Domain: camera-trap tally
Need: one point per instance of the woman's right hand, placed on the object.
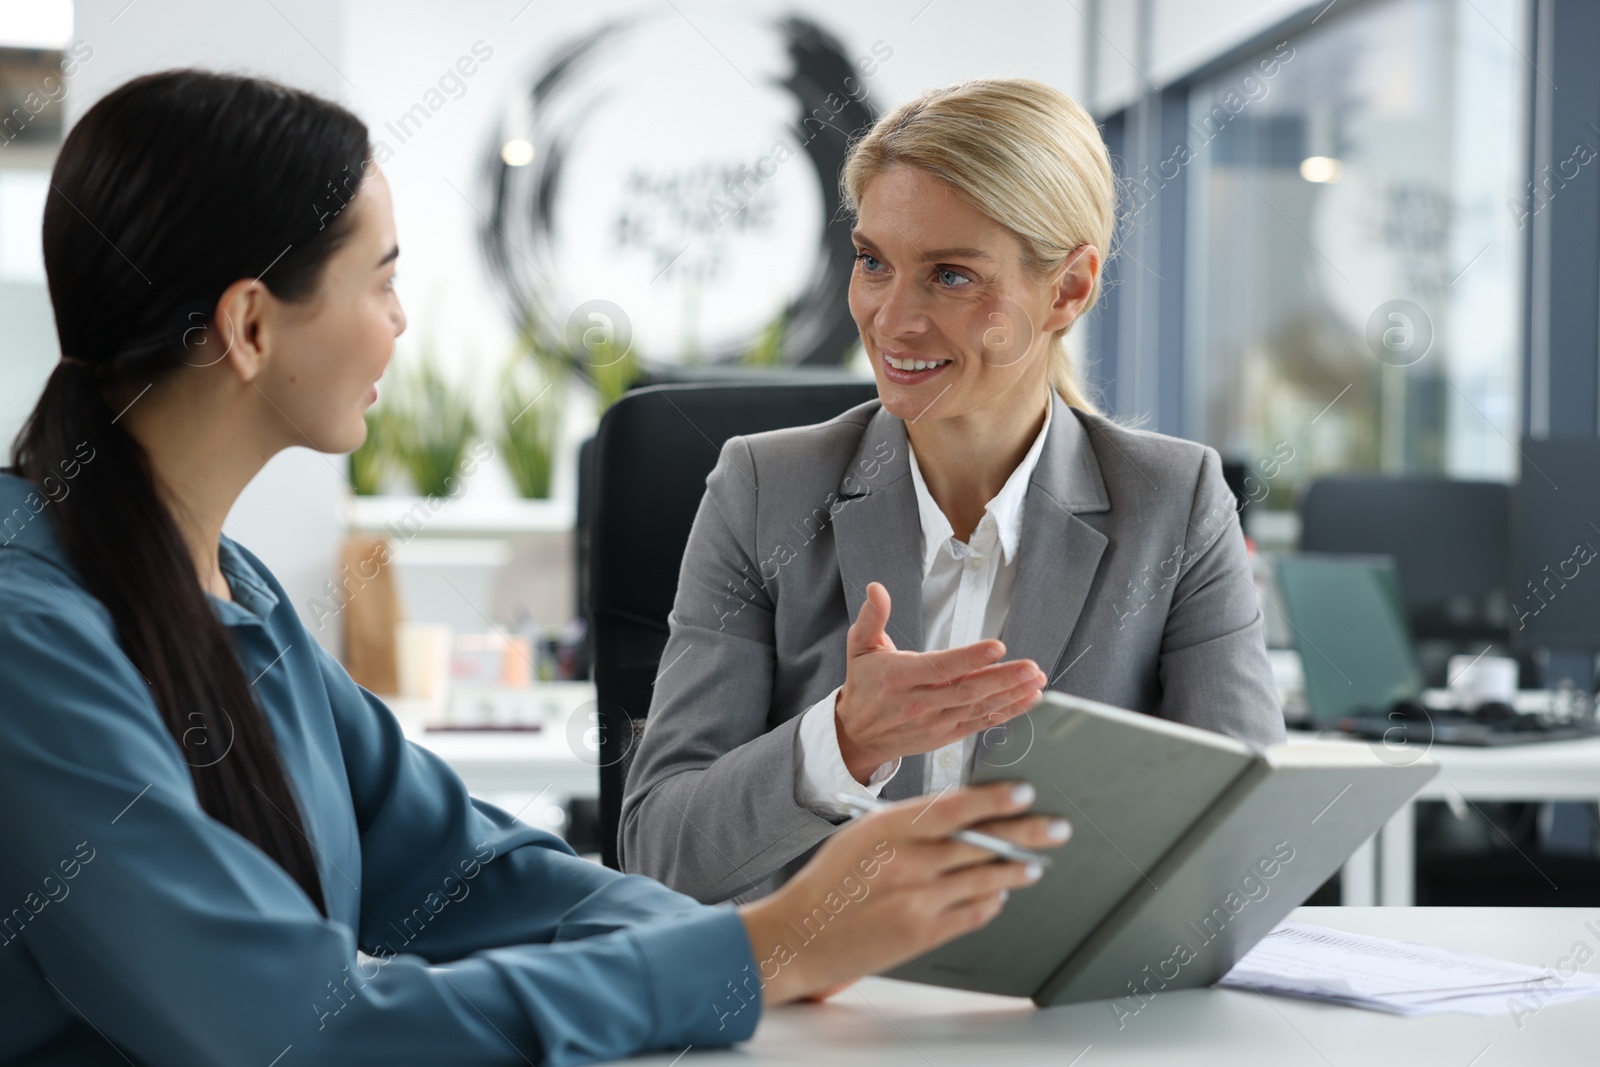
(896, 704)
(891, 885)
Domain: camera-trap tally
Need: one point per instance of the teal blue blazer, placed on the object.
(135, 928)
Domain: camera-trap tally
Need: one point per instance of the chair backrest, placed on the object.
(652, 453)
(1451, 541)
(582, 529)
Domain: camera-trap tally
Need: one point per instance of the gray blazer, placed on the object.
(1133, 588)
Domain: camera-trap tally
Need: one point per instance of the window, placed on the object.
(1353, 258)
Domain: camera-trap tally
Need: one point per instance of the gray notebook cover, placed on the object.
(1188, 847)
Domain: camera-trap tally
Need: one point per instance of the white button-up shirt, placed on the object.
(966, 595)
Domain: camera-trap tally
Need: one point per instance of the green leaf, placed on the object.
(434, 426)
(532, 403)
(377, 454)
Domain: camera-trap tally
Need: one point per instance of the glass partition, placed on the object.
(1354, 246)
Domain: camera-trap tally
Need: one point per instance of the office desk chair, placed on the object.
(652, 453)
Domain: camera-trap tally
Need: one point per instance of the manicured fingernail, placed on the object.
(1023, 794)
(1033, 872)
(1058, 830)
(1005, 894)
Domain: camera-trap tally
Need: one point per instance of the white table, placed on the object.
(888, 1024)
(515, 761)
(554, 761)
(1383, 871)
(557, 763)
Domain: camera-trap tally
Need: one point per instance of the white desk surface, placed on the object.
(513, 761)
(1544, 770)
(1540, 770)
(509, 761)
(887, 1023)
(522, 763)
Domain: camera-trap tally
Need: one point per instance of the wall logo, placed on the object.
(694, 183)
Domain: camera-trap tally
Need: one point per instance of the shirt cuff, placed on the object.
(703, 977)
(819, 770)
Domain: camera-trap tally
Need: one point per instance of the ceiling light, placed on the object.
(37, 24)
(1321, 169)
(517, 153)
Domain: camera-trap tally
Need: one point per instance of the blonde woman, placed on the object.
(862, 600)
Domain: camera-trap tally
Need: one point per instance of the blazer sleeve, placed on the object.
(710, 805)
(181, 942)
(1214, 669)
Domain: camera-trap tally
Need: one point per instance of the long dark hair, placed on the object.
(167, 191)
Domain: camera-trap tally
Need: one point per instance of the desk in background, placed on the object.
(506, 761)
(1383, 871)
(552, 765)
(547, 761)
(535, 775)
(886, 1023)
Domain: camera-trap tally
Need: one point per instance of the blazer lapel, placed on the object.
(878, 538)
(1058, 553)
(877, 533)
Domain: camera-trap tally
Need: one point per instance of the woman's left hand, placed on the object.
(891, 885)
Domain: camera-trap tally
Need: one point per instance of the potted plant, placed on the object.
(376, 457)
(434, 426)
(532, 402)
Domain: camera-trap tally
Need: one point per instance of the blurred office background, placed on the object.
(1358, 238)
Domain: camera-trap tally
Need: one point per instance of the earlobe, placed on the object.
(249, 361)
(239, 319)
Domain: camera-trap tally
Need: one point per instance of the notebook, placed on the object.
(1188, 847)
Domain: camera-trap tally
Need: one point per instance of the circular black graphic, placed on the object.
(660, 219)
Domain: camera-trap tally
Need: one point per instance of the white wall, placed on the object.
(28, 348)
(290, 514)
(397, 48)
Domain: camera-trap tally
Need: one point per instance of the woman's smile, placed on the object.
(909, 368)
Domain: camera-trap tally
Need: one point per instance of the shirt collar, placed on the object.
(1005, 508)
(26, 524)
(23, 523)
(250, 590)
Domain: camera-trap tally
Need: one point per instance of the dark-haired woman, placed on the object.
(217, 848)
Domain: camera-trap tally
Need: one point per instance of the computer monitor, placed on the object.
(1450, 539)
(1355, 651)
(1555, 534)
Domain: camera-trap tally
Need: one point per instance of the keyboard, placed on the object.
(1408, 722)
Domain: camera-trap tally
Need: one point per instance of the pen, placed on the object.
(999, 846)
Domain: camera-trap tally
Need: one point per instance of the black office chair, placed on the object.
(582, 530)
(651, 457)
